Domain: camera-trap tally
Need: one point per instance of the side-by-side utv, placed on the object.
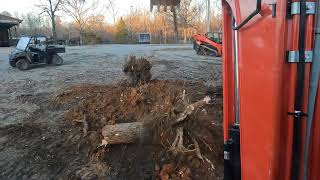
(35, 50)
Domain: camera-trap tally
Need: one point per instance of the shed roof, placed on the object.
(7, 22)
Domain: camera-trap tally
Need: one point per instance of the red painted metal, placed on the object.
(228, 70)
(202, 39)
(267, 86)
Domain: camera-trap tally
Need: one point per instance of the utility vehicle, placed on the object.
(35, 50)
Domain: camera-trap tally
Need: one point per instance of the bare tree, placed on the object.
(188, 14)
(80, 10)
(50, 7)
(175, 23)
(114, 11)
(33, 24)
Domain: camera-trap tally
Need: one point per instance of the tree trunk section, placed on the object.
(185, 35)
(123, 133)
(175, 23)
(54, 31)
(165, 36)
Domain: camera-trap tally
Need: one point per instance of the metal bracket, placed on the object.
(293, 56)
(298, 114)
(311, 8)
(226, 155)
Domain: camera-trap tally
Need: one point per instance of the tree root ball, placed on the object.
(137, 70)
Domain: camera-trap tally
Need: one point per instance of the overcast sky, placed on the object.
(25, 6)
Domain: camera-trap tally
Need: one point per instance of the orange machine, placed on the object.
(271, 89)
(208, 44)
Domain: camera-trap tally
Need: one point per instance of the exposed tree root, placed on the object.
(85, 126)
(177, 145)
(191, 108)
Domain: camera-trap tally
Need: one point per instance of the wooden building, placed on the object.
(6, 25)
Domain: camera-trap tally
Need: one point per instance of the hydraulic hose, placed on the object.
(313, 88)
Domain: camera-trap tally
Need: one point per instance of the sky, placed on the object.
(26, 6)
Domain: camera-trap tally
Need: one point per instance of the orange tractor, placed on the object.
(271, 89)
(208, 44)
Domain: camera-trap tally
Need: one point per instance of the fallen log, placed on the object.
(126, 133)
(123, 133)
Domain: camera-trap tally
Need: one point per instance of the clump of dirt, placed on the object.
(93, 107)
(137, 70)
(110, 104)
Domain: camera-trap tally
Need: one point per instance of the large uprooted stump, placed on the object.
(137, 70)
(125, 133)
(166, 113)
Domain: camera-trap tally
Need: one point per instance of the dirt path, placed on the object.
(36, 142)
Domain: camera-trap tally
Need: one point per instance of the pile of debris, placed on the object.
(176, 115)
(137, 70)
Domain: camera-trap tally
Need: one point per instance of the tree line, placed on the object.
(84, 21)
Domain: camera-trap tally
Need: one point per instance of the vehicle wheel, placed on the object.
(12, 63)
(201, 51)
(57, 60)
(23, 64)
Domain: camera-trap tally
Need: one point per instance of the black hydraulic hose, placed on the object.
(313, 88)
(298, 114)
(254, 13)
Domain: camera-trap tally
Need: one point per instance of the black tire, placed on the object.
(23, 64)
(201, 51)
(57, 60)
(12, 63)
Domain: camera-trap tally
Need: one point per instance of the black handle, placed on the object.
(254, 13)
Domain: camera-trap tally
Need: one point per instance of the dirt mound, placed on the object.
(137, 70)
(92, 107)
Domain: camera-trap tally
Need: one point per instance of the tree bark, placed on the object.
(123, 133)
(54, 31)
(165, 36)
(185, 35)
(175, 23)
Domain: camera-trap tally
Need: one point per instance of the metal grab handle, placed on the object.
(254, 13)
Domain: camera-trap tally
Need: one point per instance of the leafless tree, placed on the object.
(80, 11)
(33, 24)
(50, 7)
(89, 26)
(175, 23)
(188, 14)
(114, 11)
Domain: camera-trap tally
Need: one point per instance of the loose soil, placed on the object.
(65, 152)
(40, 140)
